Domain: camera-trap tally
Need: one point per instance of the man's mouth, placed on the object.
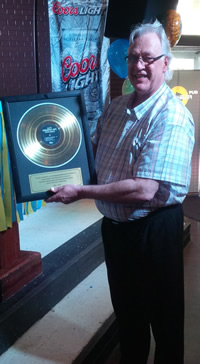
(140, 76)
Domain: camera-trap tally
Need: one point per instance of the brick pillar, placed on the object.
(17, 267)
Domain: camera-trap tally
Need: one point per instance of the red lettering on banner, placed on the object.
(74, 68)
(58, 9)
(84, 65)
(66, 65)
(92, 62)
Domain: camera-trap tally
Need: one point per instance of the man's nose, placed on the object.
(139, 63)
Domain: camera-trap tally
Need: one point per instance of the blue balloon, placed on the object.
(116, 57)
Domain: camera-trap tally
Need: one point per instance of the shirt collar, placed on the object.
(141, 108)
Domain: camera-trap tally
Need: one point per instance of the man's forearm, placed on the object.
(125, 191)
(122, 191)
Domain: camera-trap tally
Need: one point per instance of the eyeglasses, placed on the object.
(145, 59)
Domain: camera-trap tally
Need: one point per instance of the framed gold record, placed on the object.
(49, 135)
(49, 142)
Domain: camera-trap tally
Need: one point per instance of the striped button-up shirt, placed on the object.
(153, 140)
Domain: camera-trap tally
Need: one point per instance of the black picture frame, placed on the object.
(32, 180)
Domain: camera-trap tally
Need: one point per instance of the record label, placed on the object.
(50, 135)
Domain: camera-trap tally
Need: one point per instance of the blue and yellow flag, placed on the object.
(7, 208)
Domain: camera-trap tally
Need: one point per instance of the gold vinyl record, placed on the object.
(49, 135)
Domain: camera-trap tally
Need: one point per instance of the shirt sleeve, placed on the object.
(167, 149)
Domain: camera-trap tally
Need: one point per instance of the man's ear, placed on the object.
(165, 64)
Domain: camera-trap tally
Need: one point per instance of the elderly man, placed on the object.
(143, 146)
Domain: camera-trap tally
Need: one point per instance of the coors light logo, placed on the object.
(80, 74)
(77, 10)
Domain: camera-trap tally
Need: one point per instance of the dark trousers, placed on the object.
(144, 261)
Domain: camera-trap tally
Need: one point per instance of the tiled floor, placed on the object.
(60, 336)
(53, 225)
(64, 331)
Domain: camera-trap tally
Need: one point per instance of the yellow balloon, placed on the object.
(127, 87)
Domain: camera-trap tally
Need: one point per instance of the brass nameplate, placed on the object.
(41, 182)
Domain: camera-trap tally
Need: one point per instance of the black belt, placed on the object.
(152, 213)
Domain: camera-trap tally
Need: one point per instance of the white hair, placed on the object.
(157, 28)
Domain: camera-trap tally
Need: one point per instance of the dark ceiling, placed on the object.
(123, 15)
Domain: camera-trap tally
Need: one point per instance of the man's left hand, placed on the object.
(65, 194)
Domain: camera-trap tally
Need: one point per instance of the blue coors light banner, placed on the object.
(79, 51)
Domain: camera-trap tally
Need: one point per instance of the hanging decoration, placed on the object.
(127, 87)
(171, 21)
(116, 57)
(173, 27)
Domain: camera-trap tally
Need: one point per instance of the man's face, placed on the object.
(146, 78)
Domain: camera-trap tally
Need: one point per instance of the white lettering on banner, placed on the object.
(185, 97)
(94, 11)
(83, 81)
(195, 92)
